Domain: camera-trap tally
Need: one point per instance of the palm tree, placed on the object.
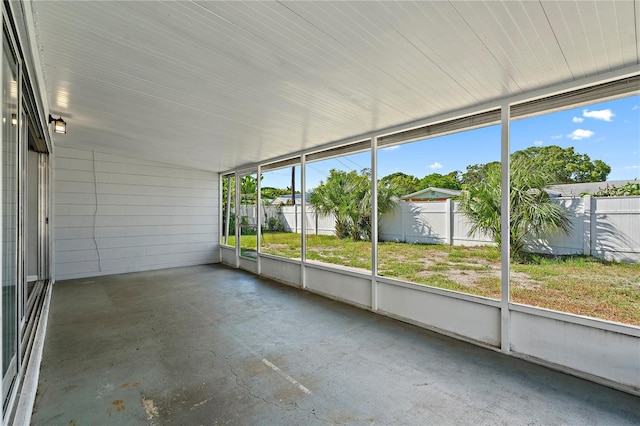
(333, 197)
(386, 203)
(347, 195)
(533, 214)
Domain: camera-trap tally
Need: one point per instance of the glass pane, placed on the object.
(10, 215)
(282, 212)
(576, 211)
(248, 215)
(429, 234)
(339, 211)
(228, 234)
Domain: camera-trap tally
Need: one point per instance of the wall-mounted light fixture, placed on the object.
(14, 120)
(59, 126)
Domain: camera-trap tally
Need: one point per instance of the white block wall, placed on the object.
(115, 214)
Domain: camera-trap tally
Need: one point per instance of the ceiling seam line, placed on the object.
(433, 62)
(555, 36)
(485, 46)
(338, 41)
(294, 13)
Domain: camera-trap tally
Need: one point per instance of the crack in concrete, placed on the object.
(323, 420)
(248, 390)
(235, 375)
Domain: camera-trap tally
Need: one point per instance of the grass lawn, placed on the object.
(576, 284)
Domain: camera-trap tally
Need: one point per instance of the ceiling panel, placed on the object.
(517, 35)
(595, 37)
(219, 84)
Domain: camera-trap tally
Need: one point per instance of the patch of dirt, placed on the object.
(469, 277)
(434, 258)
(274, 246)
(522, 280)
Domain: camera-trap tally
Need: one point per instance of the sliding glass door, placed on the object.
(10, 205)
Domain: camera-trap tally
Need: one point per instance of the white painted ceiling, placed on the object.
(215, 85)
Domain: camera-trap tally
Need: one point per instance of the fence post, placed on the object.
(403, 221)
(593, 203)
(449, 213)
(586, 241)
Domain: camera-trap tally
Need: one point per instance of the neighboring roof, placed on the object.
(431, 189)
(577, 189)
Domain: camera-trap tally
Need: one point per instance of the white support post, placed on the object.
(237, 221)
(505, 252)
(228, 201)
(374, 223)
(259, 212)
(303, 220)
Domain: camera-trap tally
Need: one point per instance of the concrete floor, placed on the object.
(211, 345)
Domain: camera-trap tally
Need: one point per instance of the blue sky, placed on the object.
(608, 131)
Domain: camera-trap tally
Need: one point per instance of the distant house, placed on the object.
(577, 189)
(431, 194)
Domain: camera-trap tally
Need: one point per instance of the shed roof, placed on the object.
(431, 189)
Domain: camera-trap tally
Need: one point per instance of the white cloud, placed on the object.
(435, 165)
(577, 119)
(635, 107)
(391, 148)
(580, 134)
(556, 137)
(538, 143)
(632, 167)
(603, 114)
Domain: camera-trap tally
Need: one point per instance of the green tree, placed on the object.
(400, 183)
(476, 173)
(436, 180)
(533, 214)
(564, 165)
(347, 195)
(248, 190)
(270, 193)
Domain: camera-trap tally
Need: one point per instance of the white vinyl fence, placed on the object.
(291, 218)
(436, 222)
(607, 227)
